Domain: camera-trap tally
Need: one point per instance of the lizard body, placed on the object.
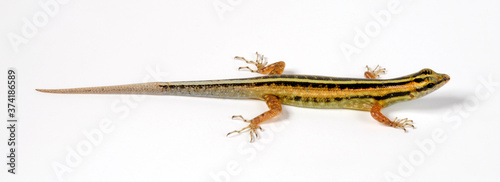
(297, 90)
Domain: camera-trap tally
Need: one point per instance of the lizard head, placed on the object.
(427, 80)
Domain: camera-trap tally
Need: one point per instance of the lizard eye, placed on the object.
(427, 71)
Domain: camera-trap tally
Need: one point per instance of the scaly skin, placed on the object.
(322, 92)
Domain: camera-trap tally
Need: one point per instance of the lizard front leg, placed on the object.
(375, 110)
(375, 73)
(274, 106)
(397, 123)
(262, 67)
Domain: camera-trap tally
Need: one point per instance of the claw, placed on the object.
(375, 73)
(253, 135)
(251, 127)
(238, 131)
(240, 117)
(403, 123)
(253, 132)
(260, 63)
(248, 68)
(260, 59)
(274, 109)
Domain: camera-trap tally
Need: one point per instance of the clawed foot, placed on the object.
(251, 127)
(375, 73)
(402, 123)
(260, 63)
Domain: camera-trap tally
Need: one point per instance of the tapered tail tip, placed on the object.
(42, 90)
(49, 90)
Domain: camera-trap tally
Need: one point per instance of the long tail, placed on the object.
(153, 88)
(234, 88)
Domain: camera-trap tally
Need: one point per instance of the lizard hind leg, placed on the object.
(274, 109)
(262, 67)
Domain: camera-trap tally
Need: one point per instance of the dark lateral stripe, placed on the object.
(196, 86)
(339, 85)
(430, 86)
(329, 79)
(325, 78)
(306, 99)
(383, 97)
(391, 95)
(329, 82)
(297, 84)
(338, 99)
(300, 81)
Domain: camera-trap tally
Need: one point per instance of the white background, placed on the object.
(76, 43)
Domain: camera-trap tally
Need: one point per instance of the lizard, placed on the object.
(366, 94)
